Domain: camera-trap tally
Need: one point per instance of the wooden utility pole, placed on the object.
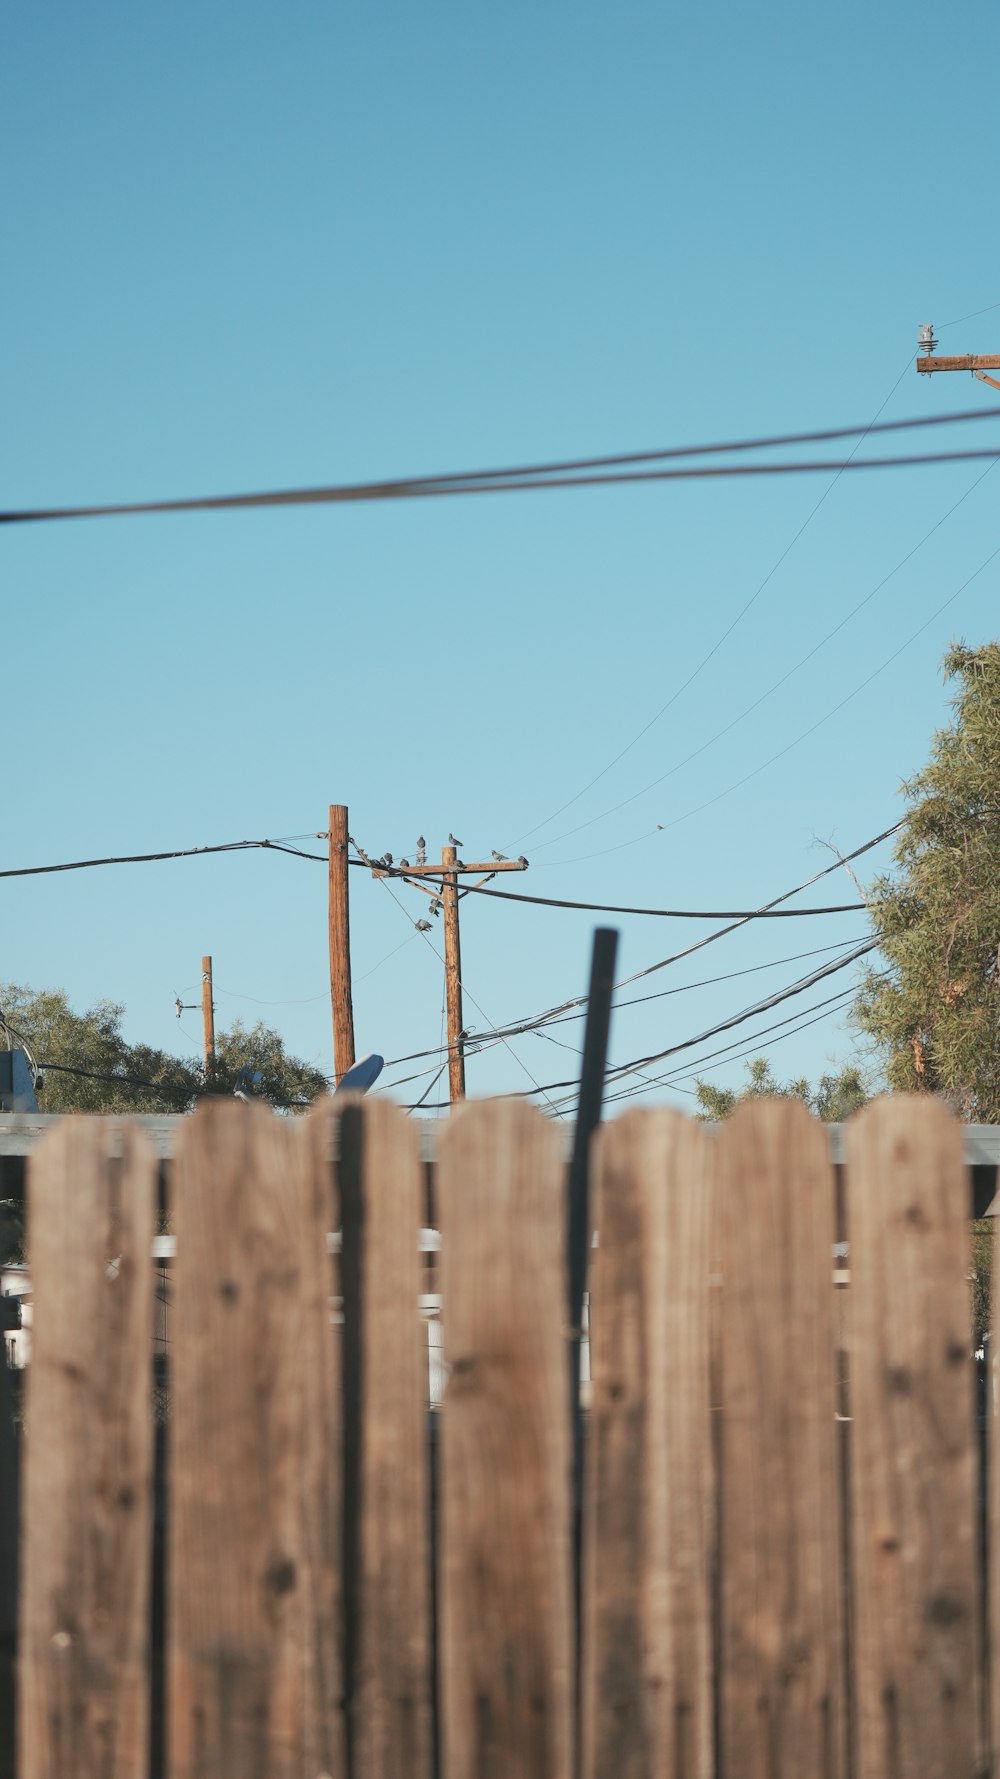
(453, 974)
(441, 883)
(340, 944)
(208, 1013)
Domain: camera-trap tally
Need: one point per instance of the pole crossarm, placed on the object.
(457, 870)
(969, 361)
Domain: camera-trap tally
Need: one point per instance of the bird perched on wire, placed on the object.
(453, 842)
(422, 926)
(404, 864)
(501, 857)
(387, 858)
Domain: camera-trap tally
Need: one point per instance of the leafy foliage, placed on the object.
(92, 1043)
(258, 1049)
(935, 1017)
(833, 1098)
(88, 1066)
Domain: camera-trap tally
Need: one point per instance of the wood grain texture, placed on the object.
(781, 1607)
(993, 1512)
(387, 1564)
(87, 1498)
(253, 1689)
(341, 1000)
(912, 1454)
(506, 1643)
(649, 1513)
(453, 974)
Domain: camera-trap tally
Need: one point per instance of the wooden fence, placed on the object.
(781, 1572)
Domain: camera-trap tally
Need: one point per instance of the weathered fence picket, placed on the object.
(387, 1573)
(753, 1605)
(647, 1634)
(84, 1630)
(781, 1568)
(505, 1525)
(913, 1487)
(250, 1634)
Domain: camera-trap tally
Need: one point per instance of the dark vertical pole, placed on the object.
(588, 1116)
(595, 1051)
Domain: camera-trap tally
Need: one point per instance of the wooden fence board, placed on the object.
(649, 1517)
(912, 1454)
(781, 1602)
(250, 1586)
(506, 1644)
(387, 1566)
(87, 1538)
(992, 1552)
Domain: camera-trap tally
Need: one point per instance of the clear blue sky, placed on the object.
(250, 247)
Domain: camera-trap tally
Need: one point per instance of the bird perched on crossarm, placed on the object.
(501, 857)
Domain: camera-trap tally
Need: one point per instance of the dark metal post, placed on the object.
(588, 1115)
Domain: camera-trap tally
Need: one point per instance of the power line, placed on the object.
(795, 1022)
(665, 913)
(778, 683)
(971, 317)
(188, 1091)
(552, 1013)
(522, 479)
(541, 1027)
(835, 709)
(684, 988)
(184, 1089)
(467, 991)
(843, 701)
(485, 1040)
(717, 645)
(763, 1006)
(147, 858)
(620, 1070)
(732, 1053)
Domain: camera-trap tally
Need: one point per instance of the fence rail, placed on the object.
(782, 1562)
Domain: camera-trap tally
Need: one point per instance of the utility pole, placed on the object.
(340, 944)
(976, 362)
(208, 1014)
(453, 973)
(444, 889)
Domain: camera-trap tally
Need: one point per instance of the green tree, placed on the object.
(86, 1062)
(285, 1080)
(935, 1015)
(88, 1066)
(833, 1098)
